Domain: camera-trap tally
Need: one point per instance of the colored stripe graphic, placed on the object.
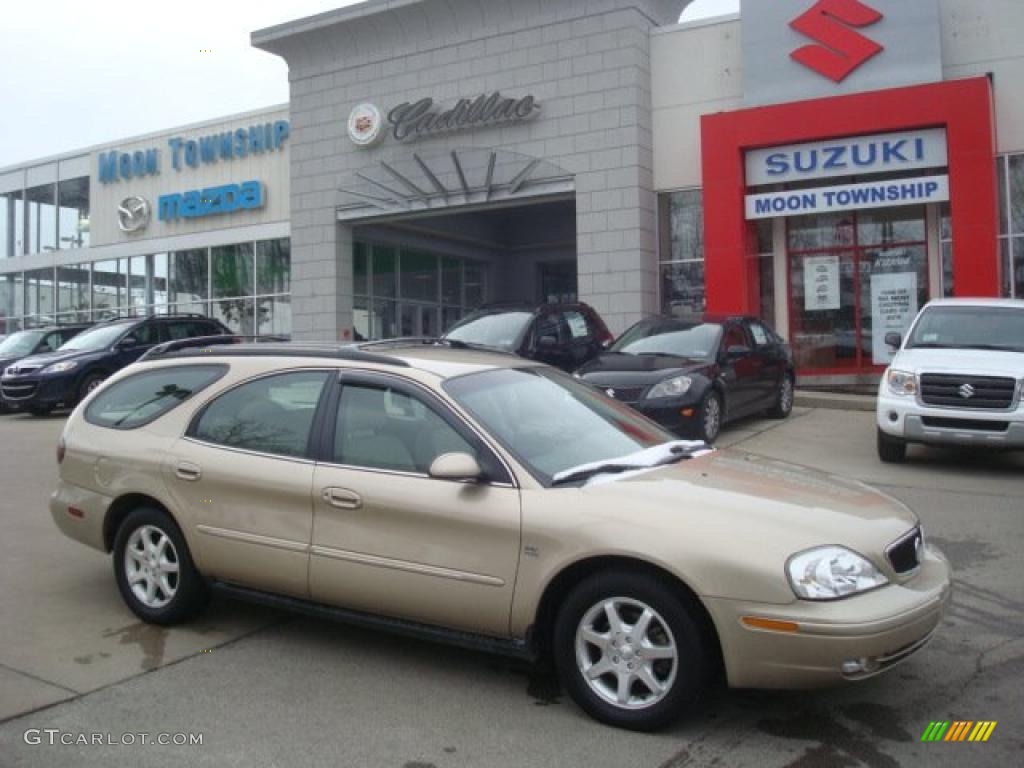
(959, 730)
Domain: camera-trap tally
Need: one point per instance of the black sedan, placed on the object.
(692, 376)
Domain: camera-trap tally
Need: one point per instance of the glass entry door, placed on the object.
(854, 277)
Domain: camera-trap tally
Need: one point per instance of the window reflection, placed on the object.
(12, 222)
(73, 213)
(42, 218)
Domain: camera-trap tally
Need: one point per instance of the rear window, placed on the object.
(137, 400)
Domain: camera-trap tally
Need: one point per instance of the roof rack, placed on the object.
(431, 341)
(251, 346)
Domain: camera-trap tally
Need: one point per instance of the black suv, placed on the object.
(40, 383)
(35, 341)
(563, 335)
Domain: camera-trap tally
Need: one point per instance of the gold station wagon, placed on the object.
(493, 502)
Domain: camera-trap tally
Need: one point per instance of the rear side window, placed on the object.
(269, 415)
(137, 400)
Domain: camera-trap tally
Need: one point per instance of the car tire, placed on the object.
(154, 569)
(891, 450)
(710, 417)
(641, 683)
(89, 383)
(783, 398)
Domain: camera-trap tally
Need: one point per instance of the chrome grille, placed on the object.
(625, 394)
(994, 393)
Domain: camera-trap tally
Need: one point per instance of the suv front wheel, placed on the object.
(154, 570)
(628, 651)
(891, 450)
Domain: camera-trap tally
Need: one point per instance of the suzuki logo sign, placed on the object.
(797, 50)
(840, 49)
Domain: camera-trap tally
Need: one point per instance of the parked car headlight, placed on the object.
(901, 382)
(67, 365)
(827, 573)
(680, 385)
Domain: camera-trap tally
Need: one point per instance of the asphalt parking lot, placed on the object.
(266, 689)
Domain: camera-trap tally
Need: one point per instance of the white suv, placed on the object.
(957, 378)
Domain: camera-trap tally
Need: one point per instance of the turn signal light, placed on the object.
(774, 625)
(687, 412)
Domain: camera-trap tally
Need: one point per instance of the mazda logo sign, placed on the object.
(133, 214)
(966, 391)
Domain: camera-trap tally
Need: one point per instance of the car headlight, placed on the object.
(901, 382)
(680, 385)
(67, 365)
(828, 573)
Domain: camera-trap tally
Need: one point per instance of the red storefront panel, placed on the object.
(963, 107)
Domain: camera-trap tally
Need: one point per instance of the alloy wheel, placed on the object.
(712, 417)
(626, 653)
(151, 566)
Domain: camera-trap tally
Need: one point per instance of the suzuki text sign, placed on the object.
(880, 153)
(802, 49)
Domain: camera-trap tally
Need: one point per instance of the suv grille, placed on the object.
(625, 394)
(904, 554)
(959, 391)
(19, 391)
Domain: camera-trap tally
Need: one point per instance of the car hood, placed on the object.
(615, 367)
(985, 362)
(49, 358)
(750, 511)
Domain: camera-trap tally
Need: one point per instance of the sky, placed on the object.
(81, 72)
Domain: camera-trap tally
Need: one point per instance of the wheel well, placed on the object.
(121, 508)
(562, 584)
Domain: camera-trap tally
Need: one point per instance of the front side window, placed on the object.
(383, 428)
(140, 399)
(269, 415)
(550, 422)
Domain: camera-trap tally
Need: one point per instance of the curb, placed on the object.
(835, 401)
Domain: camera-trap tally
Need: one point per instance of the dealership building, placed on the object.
(828, 165)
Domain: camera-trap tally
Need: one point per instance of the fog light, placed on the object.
(861, 666)
(850, 667)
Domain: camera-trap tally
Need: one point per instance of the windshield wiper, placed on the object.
(658, 456)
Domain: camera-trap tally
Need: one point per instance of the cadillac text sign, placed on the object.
(413, 120)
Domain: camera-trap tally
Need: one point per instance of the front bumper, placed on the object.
(680, 417)
(880, 628)
(34, 391)
(907, 419)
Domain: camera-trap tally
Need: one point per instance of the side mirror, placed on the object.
(128, 342)
(546, 342)
(737, 351)
(456, 466)
(893, 340)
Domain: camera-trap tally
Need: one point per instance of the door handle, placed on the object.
(188, 471)
(342, 498)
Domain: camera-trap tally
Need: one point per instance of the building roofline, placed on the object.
(76, 153)
(264, 38)
(710, 21)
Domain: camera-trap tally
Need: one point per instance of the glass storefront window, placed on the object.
(1018, 268)
(822, 230)
(1016, 191)
(136, 298)
(237, 314)
(682, 288)
(273, 266)
(161, 280)
(42, 218)
(420, 278)
(385, 272)
(40, 298)
(189, 278)
(231, 269)
(12, 223)
(451, 281)
(275, 316)
(73, 213)
(885, 226)
(73, 292)
(475, 285)
(108, 288)
(360, 269)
